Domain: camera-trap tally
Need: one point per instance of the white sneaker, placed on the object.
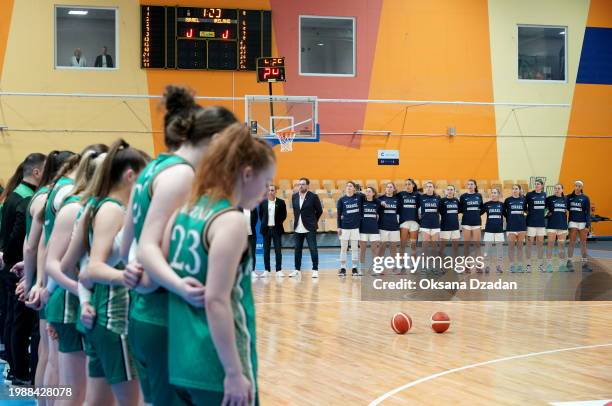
(294, 274)
(315, 274)
(280, 274)
(264, 274)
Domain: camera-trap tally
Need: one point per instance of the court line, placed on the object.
(573, 304)
(387, 395)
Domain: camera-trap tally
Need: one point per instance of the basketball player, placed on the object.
(368, 227)
(470, 205)
(409, 217)
(162, 187)
(449, 225)
(429, 214)
(536, 203)
(515, 207)
(349, 216)
(556, 206)
(110, 355)
(579, 224)
(494, 230)
(214, 353)
(388, 221)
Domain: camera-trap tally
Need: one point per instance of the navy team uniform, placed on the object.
(536, 205)
(579, 211)
(514, 211)
(557, 214)
(368, 228)
(429, 211)
(409, 212)
(470, 204)
(349, 212)
(494, 231)
(449, 225)
(388, 222)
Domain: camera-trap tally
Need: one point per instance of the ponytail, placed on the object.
(86, 167)
(13, 182)
(227, 155)
(53, 163)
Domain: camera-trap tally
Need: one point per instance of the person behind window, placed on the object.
(78, 60)
(104, 60)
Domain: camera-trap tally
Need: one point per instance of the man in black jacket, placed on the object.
(272, 214)
(104, 60)
(251, 217)
(21, 321)
(307, 210)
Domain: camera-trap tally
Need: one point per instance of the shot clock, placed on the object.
(270, 69)
(204, 38)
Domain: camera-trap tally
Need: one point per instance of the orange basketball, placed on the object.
(440, 322)
(401, 323)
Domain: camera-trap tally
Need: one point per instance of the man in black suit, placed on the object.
(307, 210)
(104, 60)
(251, 216)
(272, 214)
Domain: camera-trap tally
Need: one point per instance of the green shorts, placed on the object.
(109, 354)
(149, 346)
(199, 397)
(70, 340)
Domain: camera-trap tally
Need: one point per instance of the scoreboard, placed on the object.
(204, 38)
(270, 70)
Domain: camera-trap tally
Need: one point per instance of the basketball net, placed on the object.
(286, 140)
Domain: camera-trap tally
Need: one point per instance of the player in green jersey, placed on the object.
(162, 187)
(212, 358)
(110, 353)
(62, 307)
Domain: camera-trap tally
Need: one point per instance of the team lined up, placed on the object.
(400, 216)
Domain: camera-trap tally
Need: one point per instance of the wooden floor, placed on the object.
(319, 344)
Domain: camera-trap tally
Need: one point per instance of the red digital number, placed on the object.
(225, 34)
(266, 74)
(189, 33)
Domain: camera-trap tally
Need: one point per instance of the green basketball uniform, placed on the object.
(196, 365)
(41, 191)
(50, 210)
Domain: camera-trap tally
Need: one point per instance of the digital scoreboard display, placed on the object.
(204, 38)
(270, 69)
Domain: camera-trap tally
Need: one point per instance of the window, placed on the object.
(542, 52)
(86, 37)
(327, 46)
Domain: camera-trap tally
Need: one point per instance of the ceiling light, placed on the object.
(320, 44)
(78, 12)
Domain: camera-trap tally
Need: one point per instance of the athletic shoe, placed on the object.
(549, 268)
(519, 269)
(280, 273)
(527, 268)
(586, 267)
(264, 274)
(569, 265)
(356, 272)
(487, 269)
(315, 274)
(513, 269)
(294, 274)
(342, 272)
(499, 269)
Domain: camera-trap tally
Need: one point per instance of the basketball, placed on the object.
(401, 323)
(440, 322)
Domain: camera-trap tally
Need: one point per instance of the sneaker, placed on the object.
(264, 274)
(315, 274)
(294, 274)
(280, 274)
(356, 272)
(487, 269)
(541, 268)
(586, 267)
(513, 268)
(499, 269)
(519, 269)
(549, 268)
(342, 272)
(569, 265)
(527, 268)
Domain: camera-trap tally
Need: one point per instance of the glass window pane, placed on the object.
(541, 52)
(327, 46)
(85, 37)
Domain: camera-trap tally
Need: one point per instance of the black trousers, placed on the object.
(253, 248)
(311, 238)
(272, 235)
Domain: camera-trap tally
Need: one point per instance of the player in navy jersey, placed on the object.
(470, 205)
(536, 224)
(430, 220)
(556, 207)
(449, 226)
(388, 221)
(368, 228)
(494, 230)
(579, 223)
(349, 217)
(409, 217)
(515, 207)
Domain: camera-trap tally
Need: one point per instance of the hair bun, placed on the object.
(177, 98)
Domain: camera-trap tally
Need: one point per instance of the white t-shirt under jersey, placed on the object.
(271, 211)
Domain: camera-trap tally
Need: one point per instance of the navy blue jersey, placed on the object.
(409, 206)
(369, 216)
(429, 210)
(579, 209)
(514, 210)
(388, 220)
(470, 204)
(349, 212)
(449, 211)
(557, 212)
(495, 217)
(536, 203)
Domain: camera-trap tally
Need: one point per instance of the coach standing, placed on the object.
(272, 213)
(21, 321)
(307, 210)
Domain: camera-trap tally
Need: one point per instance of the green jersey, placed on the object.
(41, 191)
(50, 209)
(153, 307)
(199, 367)
(63, 306)
(83, 262)
(111, 302)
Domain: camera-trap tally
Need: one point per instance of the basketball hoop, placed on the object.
(286, 140)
